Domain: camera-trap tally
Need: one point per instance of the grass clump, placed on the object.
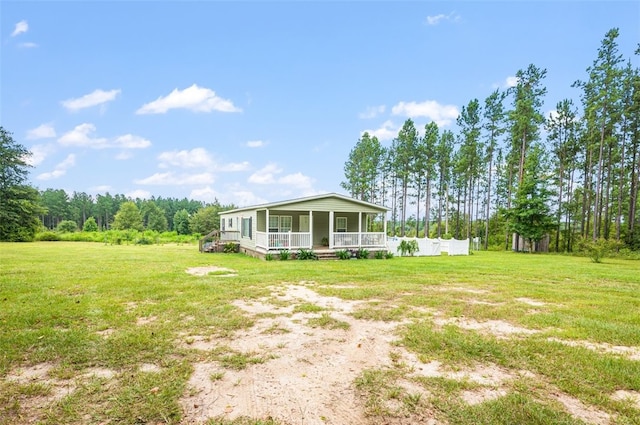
(327, 322)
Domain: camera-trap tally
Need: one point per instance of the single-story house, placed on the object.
(323, 222)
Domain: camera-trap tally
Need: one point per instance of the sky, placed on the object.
(258, 101)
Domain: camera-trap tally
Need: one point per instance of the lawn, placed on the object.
(121, 334)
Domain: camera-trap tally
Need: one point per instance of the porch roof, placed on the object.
(299, 202)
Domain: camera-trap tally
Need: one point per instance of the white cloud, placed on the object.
(194, 98)
(60, 169)
(27, 45)
(44, 131)
(94, 98)
(38, 154)
(138, 193)
(172, 179)
(81, 135)
(386, 132)
(255, 143)
(265, 175)
(129, 141)
(21, 27)
(297, 180)
(234, 166)
(205, 194)
(372, 112)
(436, 19)
(442, 115)
(195, 158)
(511, 81)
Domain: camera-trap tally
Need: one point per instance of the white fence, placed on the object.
(356, 239)
(431, 247)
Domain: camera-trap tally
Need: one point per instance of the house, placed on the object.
(328, 222)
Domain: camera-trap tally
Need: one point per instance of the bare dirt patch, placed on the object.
(498, 328)
(633, 353)
(578, 409)
(218, 271)
(531, 302)
(482, 395)
(631, 396)
(141, 321)
(309, 377)
(306, 373)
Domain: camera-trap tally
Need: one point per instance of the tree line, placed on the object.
(508, 172)
(119, 212)
(25, 211)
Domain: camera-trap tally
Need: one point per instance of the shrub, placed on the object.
(324, 241)
(230, 247)
(306, 254)
(408, 247)
(388, 255)
(47, 236)
(144, 241)
(343, 254)
(90, 225)
(379, 255)
(284, 255)
(268, 256)
(67, 226)
(597, 250)
(362, 254)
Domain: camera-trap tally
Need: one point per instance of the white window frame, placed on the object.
(246, 227)
(281, 220)
(339, 228)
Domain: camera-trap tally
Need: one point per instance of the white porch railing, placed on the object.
(229, 235)
(356, 239)
(283, 240)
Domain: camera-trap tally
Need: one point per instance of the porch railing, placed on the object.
(283, 240)
(229, 235)
(356, 239)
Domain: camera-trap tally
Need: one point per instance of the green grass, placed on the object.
(77, 306)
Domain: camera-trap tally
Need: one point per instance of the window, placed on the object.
(341, 224)
(279, 223)
(246, 227)
(230, 223)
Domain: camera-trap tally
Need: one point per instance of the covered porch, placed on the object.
(279, 229)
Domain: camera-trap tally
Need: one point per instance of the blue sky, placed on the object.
(252, 102)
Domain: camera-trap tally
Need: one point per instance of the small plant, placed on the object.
(378, 255)
(268, 256)
(388, 255)
(306, 254)
(343, 254)
(285, 255)
(324, 241)
(230, 247)
(216, 376)
(408, 247)
(328, 322)
(362, 254)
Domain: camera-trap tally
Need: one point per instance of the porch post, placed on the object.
(267, 229)
(360, 228)
(330, 229)
(310, 229)
(384, 227)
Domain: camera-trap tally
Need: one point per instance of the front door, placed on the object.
(304, 223)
